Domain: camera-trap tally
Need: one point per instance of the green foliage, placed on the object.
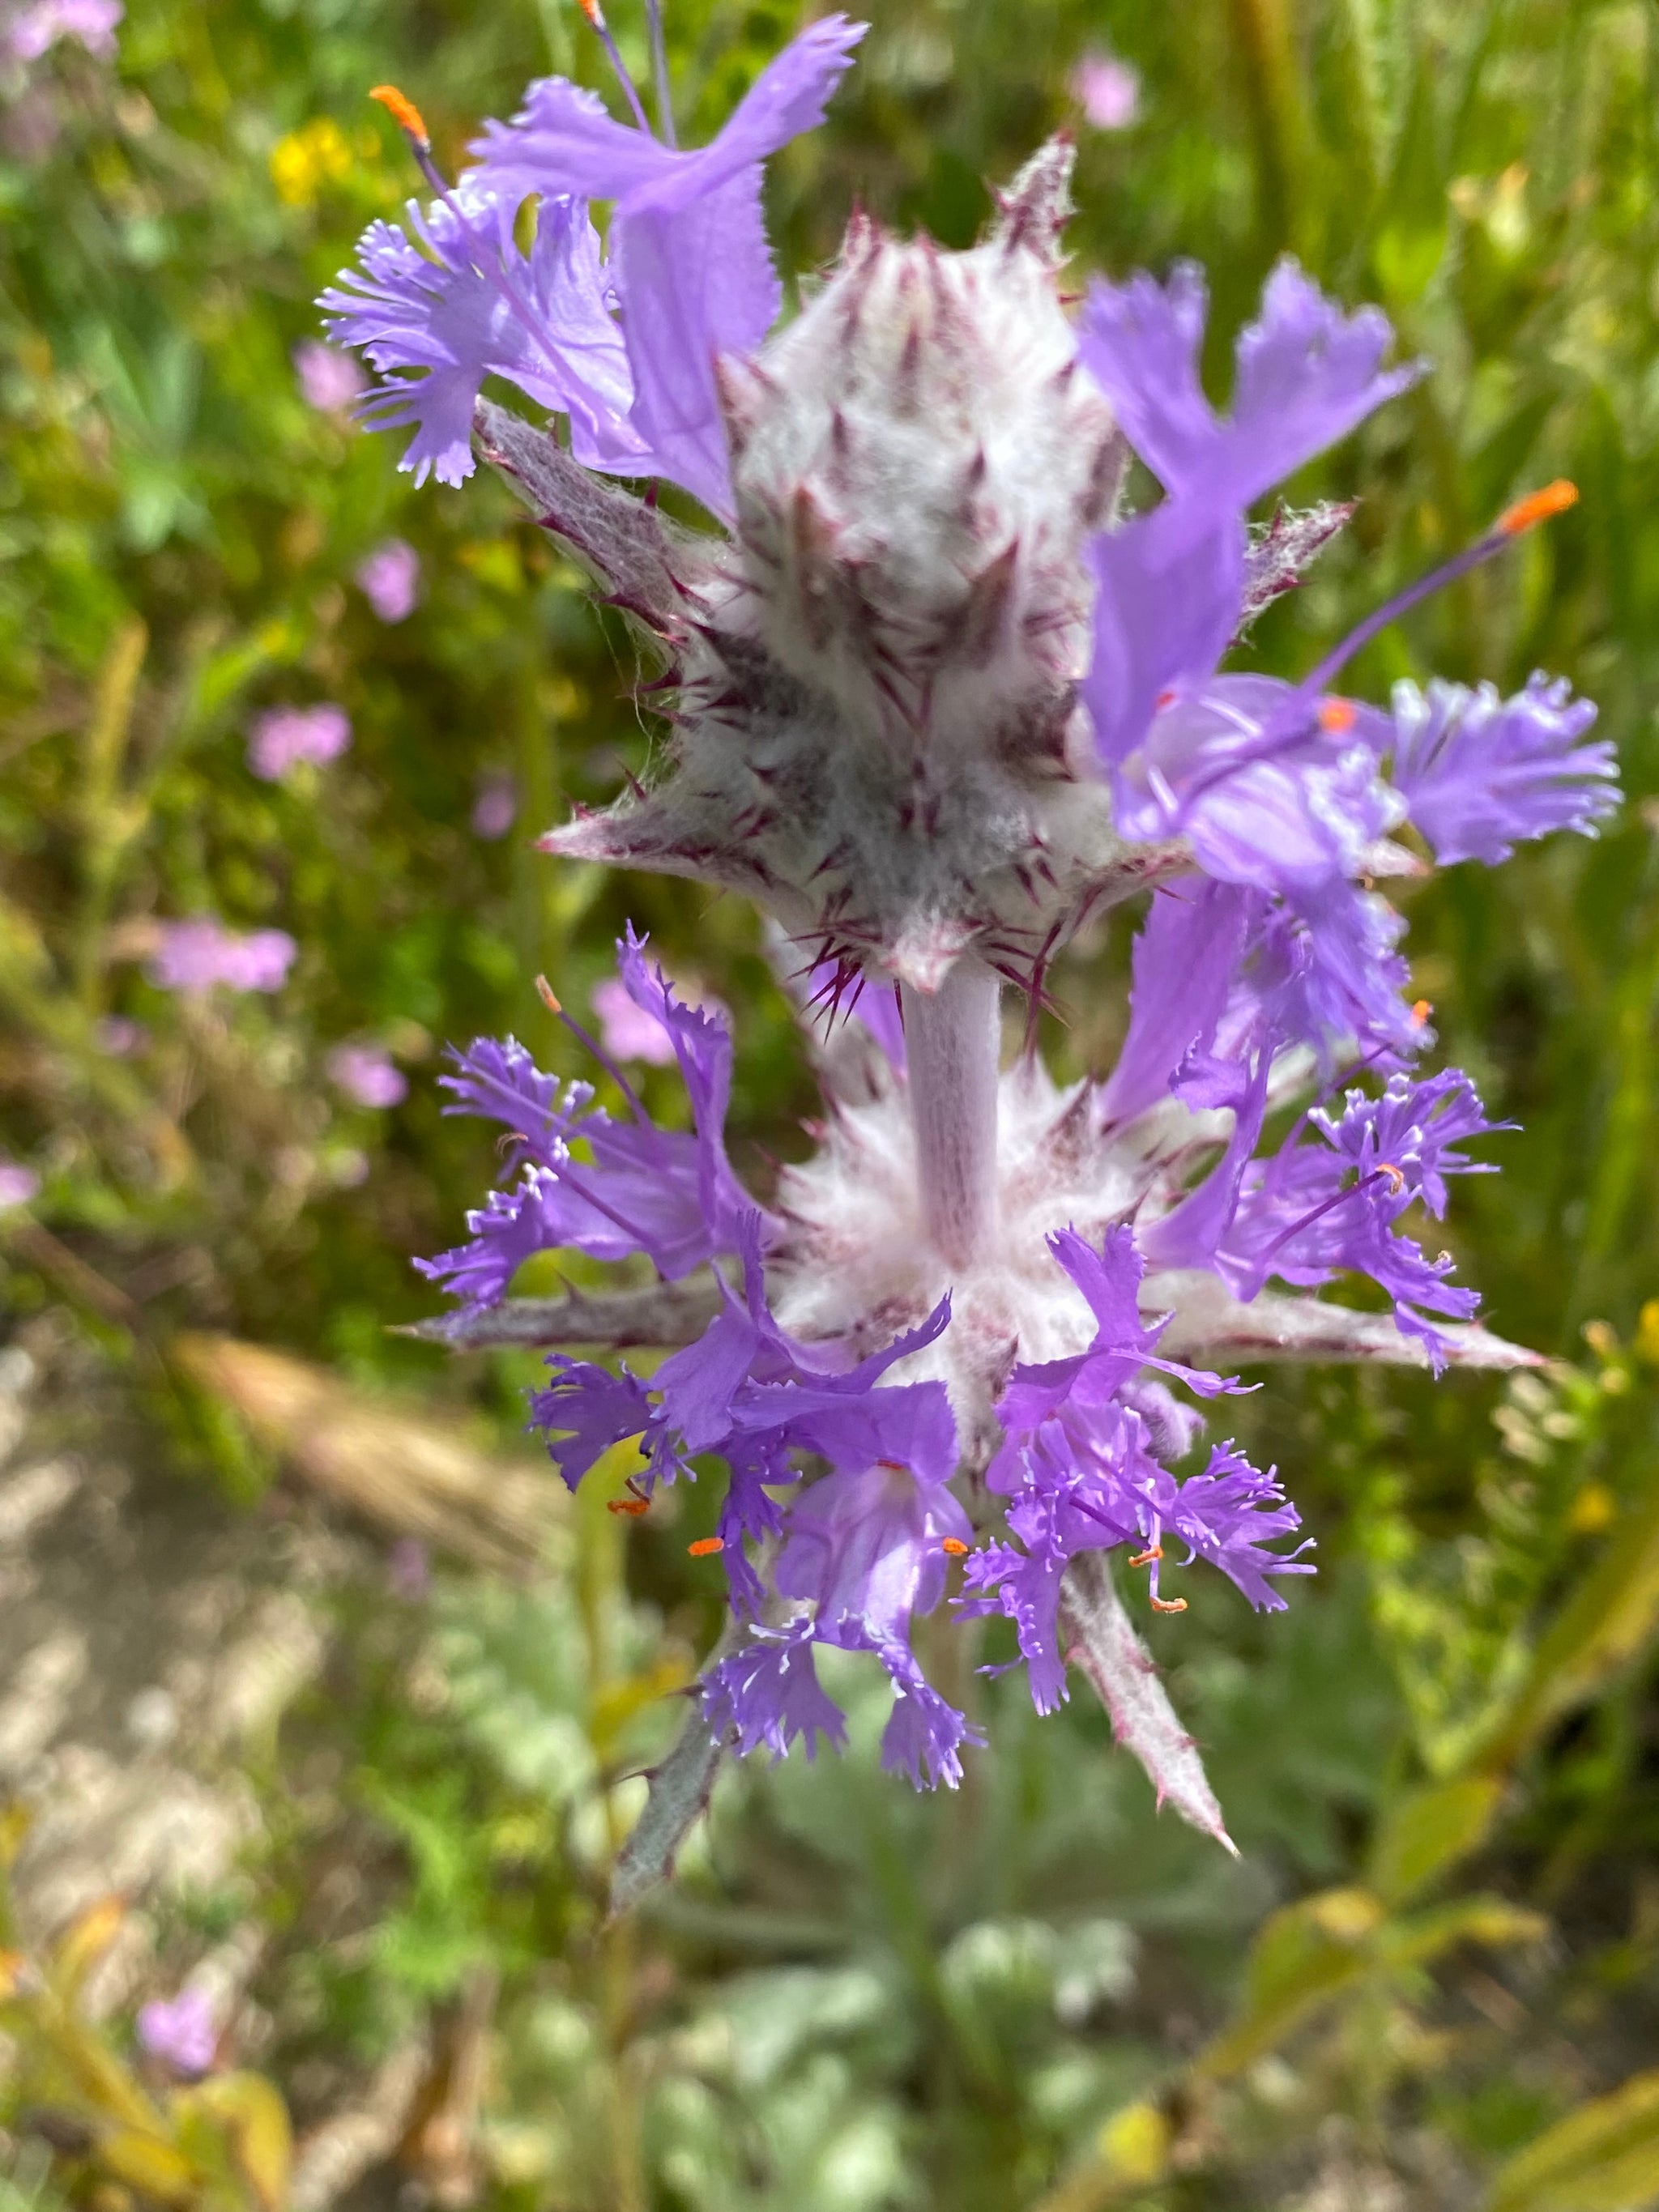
(1037, 1993)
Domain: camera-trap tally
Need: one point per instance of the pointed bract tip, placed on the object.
(404, 112)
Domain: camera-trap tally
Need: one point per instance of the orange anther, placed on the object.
(893, 1466)
(404, 112)
(953, 1545)
(1537, 506)
(593, 12)
(1389, 1168)
(1164, 699)
(1337, 715)
(1144, 1559)
(706, 1547)
(544, 992)
(1169, 1605)
(627, 1504)
(1421, 1011)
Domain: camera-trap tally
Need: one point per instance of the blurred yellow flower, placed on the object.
(308, 158)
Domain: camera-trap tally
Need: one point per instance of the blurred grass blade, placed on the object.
(1599, 1632)
(1429, 1831)
(415, 1475)
(1602, 2157)
(1306, 1954)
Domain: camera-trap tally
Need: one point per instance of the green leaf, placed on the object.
(1430, 1832)
(1602, 2157)
(1601, 1630)
(1305, 1954)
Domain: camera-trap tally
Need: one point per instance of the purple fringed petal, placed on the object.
(1301, 1218)
(868, 1546)
(1166, 606)
(1267, 796)
(690, 262)
(766, 1694)
(584, 1411)
(471, 304)
(1186, 959)
(1228, 1514)
(496, 1078)
(1109, 1280)
(925, 1733)
(665, 1193)
(1479, 774)
(1306, 375)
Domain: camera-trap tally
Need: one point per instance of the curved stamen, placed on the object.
(1289, 724)
(595, 16)
(660, 74)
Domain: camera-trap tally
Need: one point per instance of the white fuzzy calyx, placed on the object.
(857, 1264)
(877, 734)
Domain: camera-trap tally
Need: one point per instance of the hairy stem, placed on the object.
(952, 1041)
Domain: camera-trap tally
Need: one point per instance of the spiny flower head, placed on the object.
(932, 699)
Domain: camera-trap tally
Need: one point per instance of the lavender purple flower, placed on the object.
(330, 379)
(934, 699)
(180, 2030)
(390, 580)
(283, 737)
(18, 1184)
(367, 1075)
(195, 955)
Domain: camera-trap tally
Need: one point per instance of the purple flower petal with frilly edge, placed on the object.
(1479, 774)
(463, 303)
(1301, 1218)
(767, 1695)
(283, 737)
(1305, 375)
(1109, 1280)
(690, 262)
(180, 2031)
(668, 1194)
(389, 578)
(196, 954)
(1171, 584)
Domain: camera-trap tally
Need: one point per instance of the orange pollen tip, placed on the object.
(1337, 715)
(1538, 507)
(593, 12)
(1421, 1011)
(893, 1466)
(706, 1547)
(544, 992)
(627, 1504)
(403, 112)
(1164, 699)
(1169, 1605)
(1389, 1168)
(953, 1545)
(1144, 1559)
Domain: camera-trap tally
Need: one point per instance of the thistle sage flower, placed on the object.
(934, 698)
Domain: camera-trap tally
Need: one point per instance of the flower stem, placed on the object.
(952, 1041)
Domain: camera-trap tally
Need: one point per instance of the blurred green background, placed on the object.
(1433, 1978)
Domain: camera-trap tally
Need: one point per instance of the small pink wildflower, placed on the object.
(409, 1570)
(496, 806)
(18, 1184)
(120, 1037)
(195, 955)
(1107, 90)
(28, 32)
(180, 2031)
(628, 1031)
(330, 378)
(285, 736)
(390, 580)
(367, 1075)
